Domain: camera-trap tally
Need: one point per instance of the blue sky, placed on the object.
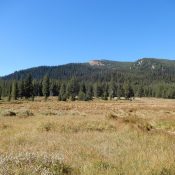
(54, 32)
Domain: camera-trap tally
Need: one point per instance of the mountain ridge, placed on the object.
(95, 66)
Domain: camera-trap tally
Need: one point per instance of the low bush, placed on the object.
(8, 113)
(33, 163)
(25, 113)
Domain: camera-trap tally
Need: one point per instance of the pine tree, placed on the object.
(0, 93)
(83, 88)
(28, 87)
(62, 95)
(46, 87)
(14, 90)
(89, 92)
(140, 92)
(53, 89)
(105, 92)
(35, 88)
(40, 92)
(112, 89)
(4, 89)
(98, 90)
(128, 91)
(9, 93)
(72, 89)
(82, 93)
(21, 91)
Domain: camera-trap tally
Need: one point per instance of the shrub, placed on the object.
(25, 113)
(33, 163)
(8, 113)
(82, 96)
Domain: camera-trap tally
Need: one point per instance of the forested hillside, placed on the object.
(89, 71)
(99, 78)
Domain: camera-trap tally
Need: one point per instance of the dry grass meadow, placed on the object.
(87, 138)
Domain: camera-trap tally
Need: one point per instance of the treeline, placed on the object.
(74, 89)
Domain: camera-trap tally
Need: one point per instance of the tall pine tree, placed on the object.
(0, 92)
(28, 87)
(62, 94)
(21, 91)
(72, 89)
(46, 87)
(14, 90)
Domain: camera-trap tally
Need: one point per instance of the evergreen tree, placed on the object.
(82, 92)
(28, 87)
(140, 92)
(0, 93)
(35, 88)
(14, 91)
(89, 92)
(83, 88)
(53, 89)
(105, 92)
(4, 89)
(21, 91)
(98, 90)
(112, 89)
(72, 89)
(128, 91)
(46, 87)
(119, 91)
(40, 92)
(62, 95)
(9, 93)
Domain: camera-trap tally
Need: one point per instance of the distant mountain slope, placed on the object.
(150, 68)
(111, 64)
(94, 68)
(146, 64)
(54, 72)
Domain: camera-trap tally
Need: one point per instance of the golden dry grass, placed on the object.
(92, 138)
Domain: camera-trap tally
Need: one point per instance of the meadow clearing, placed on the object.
(87, 138)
